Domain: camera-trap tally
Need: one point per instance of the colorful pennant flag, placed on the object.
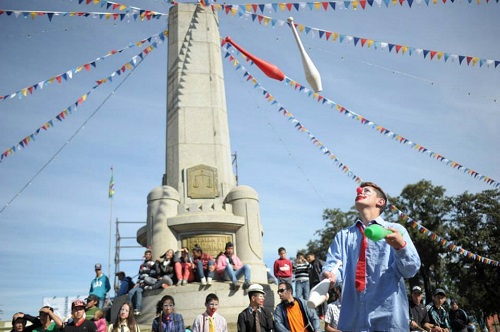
(470, 61)
(249, 78)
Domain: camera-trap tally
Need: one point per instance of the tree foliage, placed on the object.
(471, 221)
(475, 224)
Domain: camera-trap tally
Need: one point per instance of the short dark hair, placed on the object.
(280, 249)
(211, 297)
(288, 286)
(49, 307)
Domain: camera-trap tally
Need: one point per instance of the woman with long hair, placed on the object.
(125, 321)
(168, 320)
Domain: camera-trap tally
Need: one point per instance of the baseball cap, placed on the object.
(92, 297)
(416, 289)
(77, 303)
(98, 266)
(440, 291)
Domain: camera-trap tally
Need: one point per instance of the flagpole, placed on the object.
(111, 194)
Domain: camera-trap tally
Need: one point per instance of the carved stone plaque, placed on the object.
(212, 244)
(202, 182)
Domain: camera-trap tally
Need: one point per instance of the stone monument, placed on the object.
(199, 201)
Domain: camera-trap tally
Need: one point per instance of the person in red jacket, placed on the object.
(283, 267)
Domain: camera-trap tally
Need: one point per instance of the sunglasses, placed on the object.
(281, 290)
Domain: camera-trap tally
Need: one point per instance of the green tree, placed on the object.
(428, 205)
(335, 221)
(475, 224)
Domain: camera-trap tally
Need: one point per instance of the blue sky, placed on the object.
(58, 227)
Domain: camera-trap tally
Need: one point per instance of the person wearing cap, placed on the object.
(204, 266)
(91, 306)
(100, 285)
(50, 322)
(78, 322)
(293, 314)
(230, 267)
(458, 318)
(333, 311)
(372, 272)
(438, 316)
(126, 283)
(419, 318)
(256, 317)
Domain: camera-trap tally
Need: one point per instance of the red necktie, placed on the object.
(361, 267)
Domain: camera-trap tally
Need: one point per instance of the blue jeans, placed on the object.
(302, 289)
(233, 275)
(138, 297)
(201, 273)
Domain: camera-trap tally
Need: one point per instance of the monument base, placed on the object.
(190, 302)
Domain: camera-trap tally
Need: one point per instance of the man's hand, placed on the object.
(329, 275)
(211, 268)
(395, 239)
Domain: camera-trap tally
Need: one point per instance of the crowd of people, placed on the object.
(366, 278)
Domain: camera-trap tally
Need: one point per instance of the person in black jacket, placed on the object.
(256, 318)
(458, 318)
(315, 270)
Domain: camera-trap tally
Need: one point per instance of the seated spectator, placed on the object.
(204, 266)
(229, 267)
(126, 283)
(50, 322)
(143, 282)
(168, 319)
(124, 322)
(184, 266)
(100, 321)
(164, 270)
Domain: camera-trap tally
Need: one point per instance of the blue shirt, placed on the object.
(383, 305)
(100, 286)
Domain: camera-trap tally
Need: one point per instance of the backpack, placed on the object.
(130, 283)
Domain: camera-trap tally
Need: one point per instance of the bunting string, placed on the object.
(432, 55)
(386, 132)
(413, 224)
(141, 15)
(290, 117)
(334, 5)
(60, 117)
(443, 242)
(69, 74)
(110, 5)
